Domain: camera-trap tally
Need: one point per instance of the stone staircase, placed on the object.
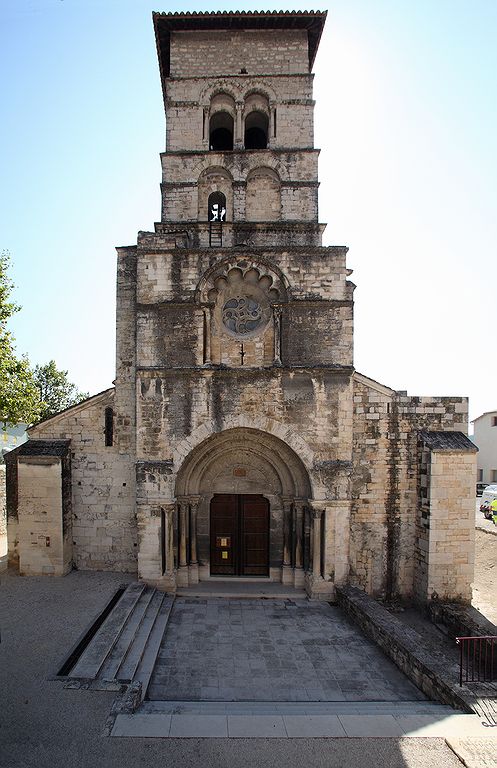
(125, 647)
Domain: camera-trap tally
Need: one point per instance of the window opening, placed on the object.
(109, 427)
(494, 421)
(494, 475)
(256, 130)
(274, 123)
(217, 207)
(221, 132)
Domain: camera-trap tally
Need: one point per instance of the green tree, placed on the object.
(55, 390)
(19, 395)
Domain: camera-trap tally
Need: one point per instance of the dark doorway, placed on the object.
(221, 132)
(256, 130)
(239, 533)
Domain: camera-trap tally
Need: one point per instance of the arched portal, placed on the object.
(222, 489)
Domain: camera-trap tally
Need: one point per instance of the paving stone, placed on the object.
(258, 726)
(371, 725)
(301, 726)
(311, 653)
(193, 726)
(149, 725)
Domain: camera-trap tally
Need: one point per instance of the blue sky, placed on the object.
(406, 118)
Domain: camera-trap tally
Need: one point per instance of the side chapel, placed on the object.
(238, 440)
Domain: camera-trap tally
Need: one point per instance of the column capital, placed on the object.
(194, 501)
(300, 504)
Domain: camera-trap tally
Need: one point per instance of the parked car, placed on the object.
(480, 487)
(488, 495)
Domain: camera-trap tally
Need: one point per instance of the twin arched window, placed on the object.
(255, 118)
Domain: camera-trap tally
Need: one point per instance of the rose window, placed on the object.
(242, 315)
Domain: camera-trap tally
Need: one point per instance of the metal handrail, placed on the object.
(477, 659)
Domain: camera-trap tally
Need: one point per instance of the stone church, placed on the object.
(239, 441)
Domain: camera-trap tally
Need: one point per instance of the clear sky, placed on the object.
(406, 118)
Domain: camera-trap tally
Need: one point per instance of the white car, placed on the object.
(488, 495)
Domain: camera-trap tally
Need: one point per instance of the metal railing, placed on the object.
(477, 659)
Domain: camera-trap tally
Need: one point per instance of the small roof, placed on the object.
(487, 413)
(165, 23)
(448, 441)
(34, 447)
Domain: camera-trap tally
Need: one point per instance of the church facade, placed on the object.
(238, 440)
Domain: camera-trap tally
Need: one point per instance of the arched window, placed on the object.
(221, 132)
(216, 207)
(256, 130)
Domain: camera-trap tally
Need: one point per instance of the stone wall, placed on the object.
(445, 526)
(183, 199)
(45, 538)
(384, 482)
(103, 488)
(263, 52)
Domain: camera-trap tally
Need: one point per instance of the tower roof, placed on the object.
(165, 23)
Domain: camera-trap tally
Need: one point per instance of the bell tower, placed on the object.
(239, 127)
(234, 323)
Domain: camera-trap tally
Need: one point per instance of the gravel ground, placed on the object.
(485, 583)
(42, 725)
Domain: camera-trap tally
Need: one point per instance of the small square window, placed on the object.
(494, 421)
(494, 475)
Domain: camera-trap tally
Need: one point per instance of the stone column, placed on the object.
(206, 137)
(277, 334)
(298, 517)
(238, 137)
(316, 585)
(169, 537)
(193, 569)
(317, 515)
(168, 578)
(182, 577)
(207, 335)
(286, 573)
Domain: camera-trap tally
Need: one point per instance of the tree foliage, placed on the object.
(19, 395)
(55, 390)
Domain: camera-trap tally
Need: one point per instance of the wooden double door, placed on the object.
(239, 535)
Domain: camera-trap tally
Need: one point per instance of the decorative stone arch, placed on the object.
(264, 89)
(221, 122)
(285, 470)
(256, 121)
(263, 195)
(263, 426)
(213, 89)
(214, 178)
(254, 162)
(237, 462)
(222, 267)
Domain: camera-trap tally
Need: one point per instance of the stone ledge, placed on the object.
(426, 666)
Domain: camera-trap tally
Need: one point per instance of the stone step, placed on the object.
(151, 650)
(296, 708)
(129, 664)
(95, 654)
(129, 638)
(330, 726)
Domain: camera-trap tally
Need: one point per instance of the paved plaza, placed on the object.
(271, 650)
